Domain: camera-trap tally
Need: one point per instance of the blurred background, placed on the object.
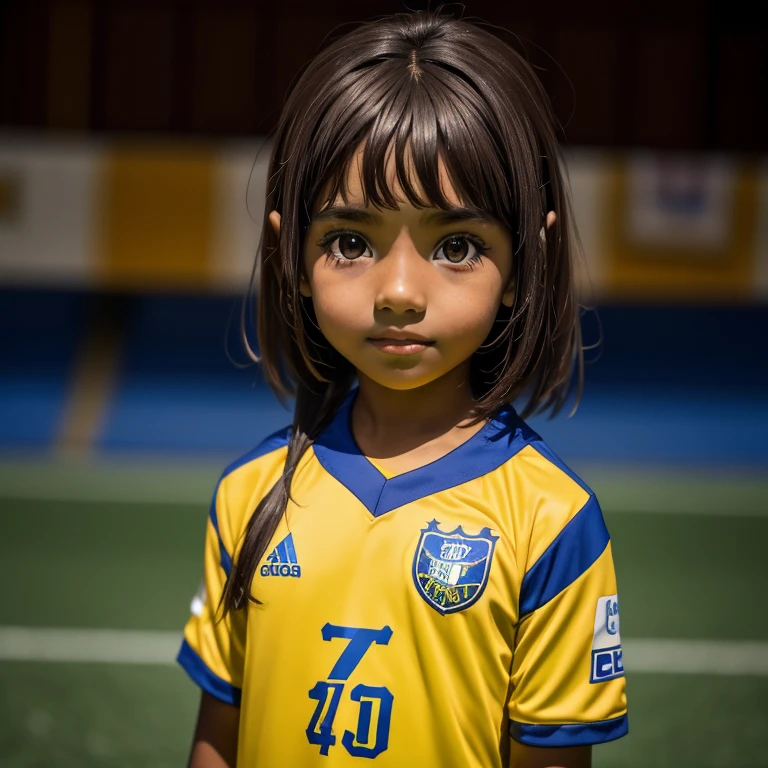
(129, 132)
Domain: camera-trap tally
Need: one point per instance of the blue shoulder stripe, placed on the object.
(576, 547)
(198, 670)
(226, 560)
(547, 453)
(571, 735)
(276, 440)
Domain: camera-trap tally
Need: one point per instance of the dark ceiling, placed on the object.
(668, 75)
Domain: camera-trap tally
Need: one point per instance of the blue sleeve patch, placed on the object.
(574, 550)
(607, 664)
(197, 669)
(570, 735)
(607, 658)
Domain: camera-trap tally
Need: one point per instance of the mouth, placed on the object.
(398, 346)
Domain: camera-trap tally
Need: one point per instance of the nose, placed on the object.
(402, 278)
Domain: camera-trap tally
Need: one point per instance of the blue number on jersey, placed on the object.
(327, 694)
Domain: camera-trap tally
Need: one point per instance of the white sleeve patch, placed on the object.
(607, 659)
(198, 601)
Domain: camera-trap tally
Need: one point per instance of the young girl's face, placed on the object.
(405, 295)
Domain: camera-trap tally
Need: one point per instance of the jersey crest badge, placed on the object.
(282, 560)
(450, 569)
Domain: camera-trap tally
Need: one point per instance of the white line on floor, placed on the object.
(696, 657)
(117, 646)
(110, 646)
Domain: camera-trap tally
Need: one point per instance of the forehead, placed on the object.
(354, 188)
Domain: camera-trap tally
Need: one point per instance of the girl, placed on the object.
(407, 573)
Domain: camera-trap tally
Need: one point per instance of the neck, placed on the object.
(390, 415)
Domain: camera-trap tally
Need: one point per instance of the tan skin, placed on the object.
(403, 281)
(215, 742)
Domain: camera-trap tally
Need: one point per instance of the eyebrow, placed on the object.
(434, 218)
(349, 213)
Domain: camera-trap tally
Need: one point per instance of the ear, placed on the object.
(274, 221)
(508, 297)
(551, 219)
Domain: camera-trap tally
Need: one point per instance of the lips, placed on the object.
(395, 335)
(401, 344)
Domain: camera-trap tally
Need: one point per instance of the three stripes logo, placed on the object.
(282, 560)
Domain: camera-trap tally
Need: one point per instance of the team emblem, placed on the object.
(450, 569)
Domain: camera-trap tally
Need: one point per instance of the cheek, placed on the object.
(478, 312)
(338, 307)
(472, 311)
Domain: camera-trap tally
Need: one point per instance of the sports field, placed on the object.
(98, 564)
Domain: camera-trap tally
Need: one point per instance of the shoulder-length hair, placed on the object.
(420, 88)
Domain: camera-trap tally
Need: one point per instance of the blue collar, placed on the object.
(336, 450)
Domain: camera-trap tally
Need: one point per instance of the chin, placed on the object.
(403, 379)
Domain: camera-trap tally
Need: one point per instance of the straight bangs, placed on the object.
(417, 125)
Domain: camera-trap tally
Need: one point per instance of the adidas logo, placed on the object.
(282, 560)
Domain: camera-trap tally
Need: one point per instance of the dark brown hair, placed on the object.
(420, 87)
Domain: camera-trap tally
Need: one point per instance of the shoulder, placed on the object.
(270, 451)
(242, 485)
(561, 520)
(534, 469)
(547, 495)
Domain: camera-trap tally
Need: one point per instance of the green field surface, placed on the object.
(106, 548)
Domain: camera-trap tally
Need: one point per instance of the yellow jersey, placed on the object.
(419, 619)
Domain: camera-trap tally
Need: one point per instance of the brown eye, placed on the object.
(350, 247)
(456, 249)
(461, 250)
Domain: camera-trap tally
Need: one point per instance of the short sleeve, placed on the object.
(567, 686)
(212, 651)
